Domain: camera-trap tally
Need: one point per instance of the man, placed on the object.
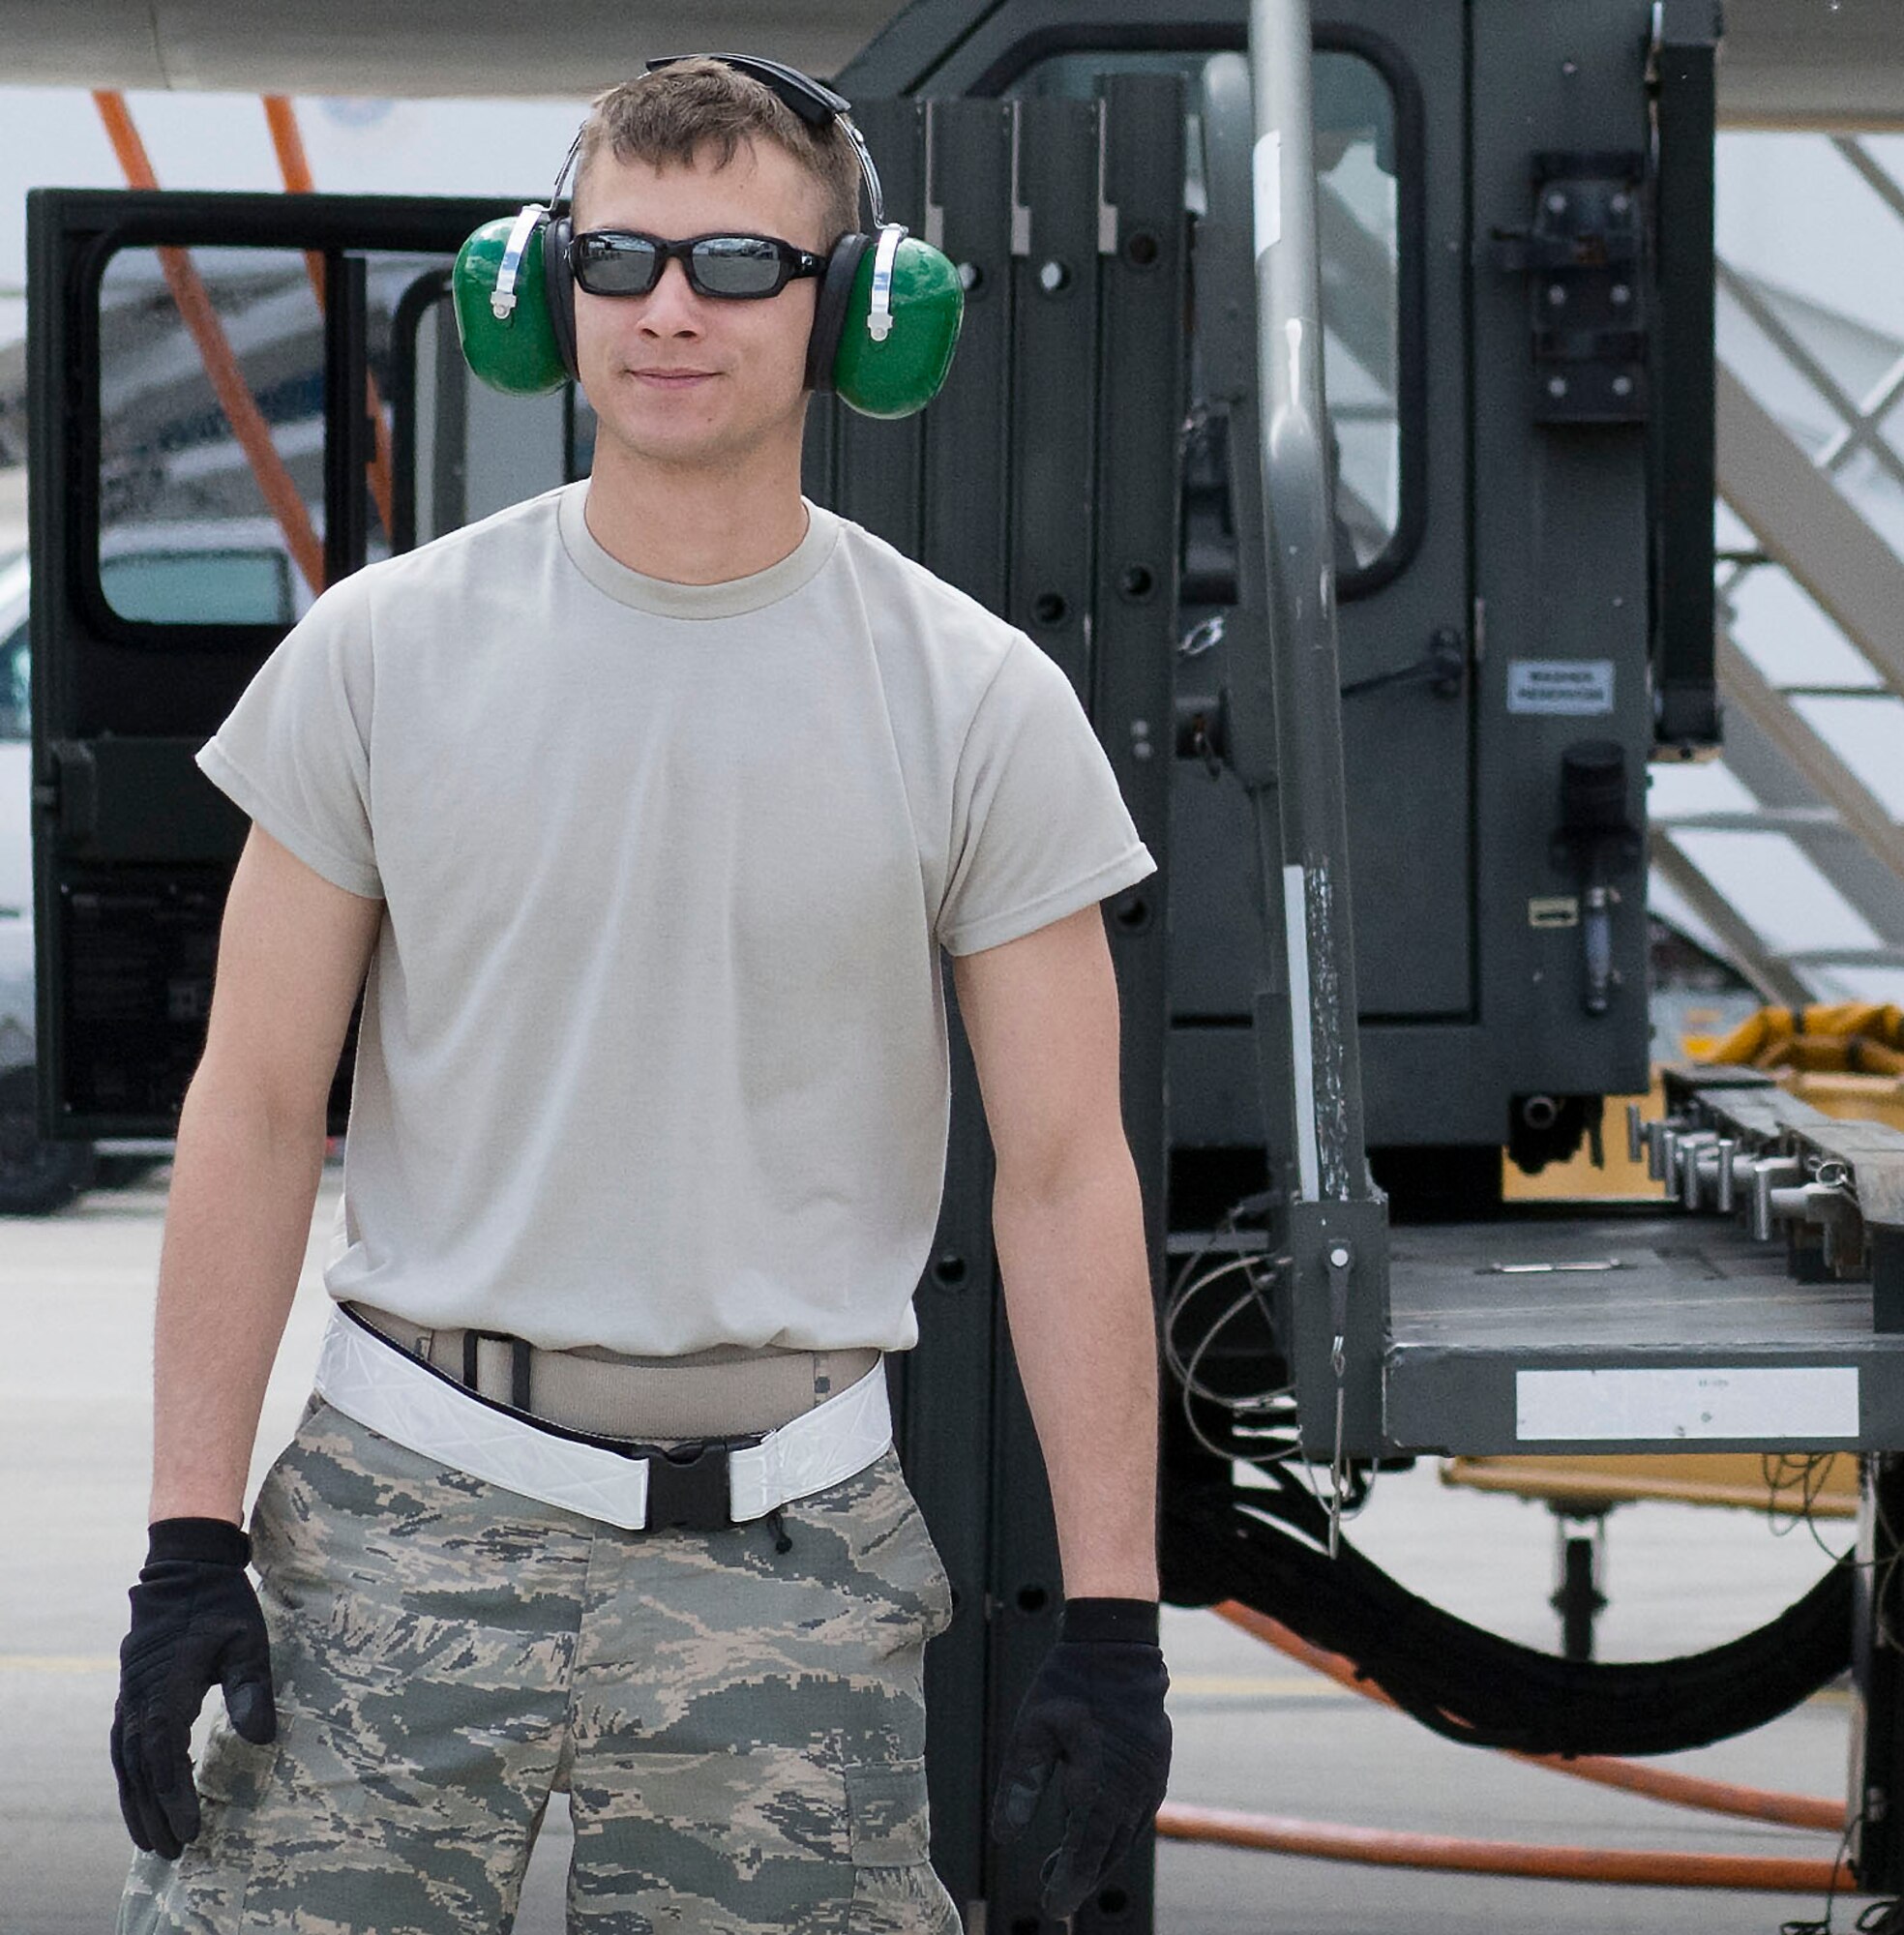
(646, 807)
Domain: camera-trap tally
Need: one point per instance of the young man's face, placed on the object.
(690, 380)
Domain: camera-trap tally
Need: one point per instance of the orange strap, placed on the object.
(200, 316)
(1635, 1867)
(292, 164)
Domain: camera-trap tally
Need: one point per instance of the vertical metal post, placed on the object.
(1336, 1293)
(349, 436)
(1680, 74)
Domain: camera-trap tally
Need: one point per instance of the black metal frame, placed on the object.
(405, 328)
(118, 804)
(115, 220)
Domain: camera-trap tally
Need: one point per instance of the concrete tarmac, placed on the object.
(1253, 1730)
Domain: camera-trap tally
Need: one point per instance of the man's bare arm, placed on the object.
(293, 954)
(1041, 1014)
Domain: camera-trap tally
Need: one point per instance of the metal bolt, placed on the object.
(1622, 386)
(1339, 1257)
(1619, 295)
(970, 275)
(1557, 204)
(1691, 1155)
(1620, 204)
(1556, 386)
(1766, 1175)
(1557, 294)
(1053, 276)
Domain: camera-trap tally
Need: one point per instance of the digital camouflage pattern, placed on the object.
(740, 1731)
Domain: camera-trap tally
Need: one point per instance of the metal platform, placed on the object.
(1632, 1333)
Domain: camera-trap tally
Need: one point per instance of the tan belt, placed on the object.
(721, 1392)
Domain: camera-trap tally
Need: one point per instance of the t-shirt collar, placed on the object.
(666, 598)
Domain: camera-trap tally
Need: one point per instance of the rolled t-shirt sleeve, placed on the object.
(295, 752)
(1039, 827)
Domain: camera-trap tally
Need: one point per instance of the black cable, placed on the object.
(1823, 1925)
(1264, 1548)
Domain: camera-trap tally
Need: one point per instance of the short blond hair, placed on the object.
(704, 108)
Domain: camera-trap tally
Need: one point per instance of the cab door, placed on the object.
(236, 400)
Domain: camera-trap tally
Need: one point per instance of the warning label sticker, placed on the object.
(1578, 687)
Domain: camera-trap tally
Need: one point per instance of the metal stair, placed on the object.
(1802, 818)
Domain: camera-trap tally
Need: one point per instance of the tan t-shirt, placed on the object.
(654, 1043)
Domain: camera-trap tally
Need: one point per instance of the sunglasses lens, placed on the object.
(736, 265)
(615, 265)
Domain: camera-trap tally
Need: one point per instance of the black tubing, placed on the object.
(1470, 1685)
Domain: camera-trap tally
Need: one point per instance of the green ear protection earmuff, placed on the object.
(885, 321)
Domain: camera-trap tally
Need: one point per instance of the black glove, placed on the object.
(196, 1623)
(1094, 1718)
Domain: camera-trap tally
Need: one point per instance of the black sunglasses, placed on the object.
(739, 268)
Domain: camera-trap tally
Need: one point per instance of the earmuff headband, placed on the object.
(815, 103)
(502, 299)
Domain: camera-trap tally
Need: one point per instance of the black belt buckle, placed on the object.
(688, 1485)
(520, 1349)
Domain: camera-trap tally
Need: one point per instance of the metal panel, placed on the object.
(1472, 1308)
(1050, 578)
(1548, 498)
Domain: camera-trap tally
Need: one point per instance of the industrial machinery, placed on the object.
(1336, 405)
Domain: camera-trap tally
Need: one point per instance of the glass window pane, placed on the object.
(215, 586)
(16, 715)
(212, 435)
(1356, 209)
(212, 428)
(1357, 244)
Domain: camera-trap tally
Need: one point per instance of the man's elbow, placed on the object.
(1082, 1166)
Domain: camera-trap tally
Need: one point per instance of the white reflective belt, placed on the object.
(405, 1400)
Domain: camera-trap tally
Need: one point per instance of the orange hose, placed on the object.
(292, 163)
(1680, 1789)
(1633, 1868)
(200, 316)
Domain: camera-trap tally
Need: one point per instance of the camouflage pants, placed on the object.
(740, 1731)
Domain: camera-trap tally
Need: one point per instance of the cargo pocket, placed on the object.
(896, 1890)
(935, 1586)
